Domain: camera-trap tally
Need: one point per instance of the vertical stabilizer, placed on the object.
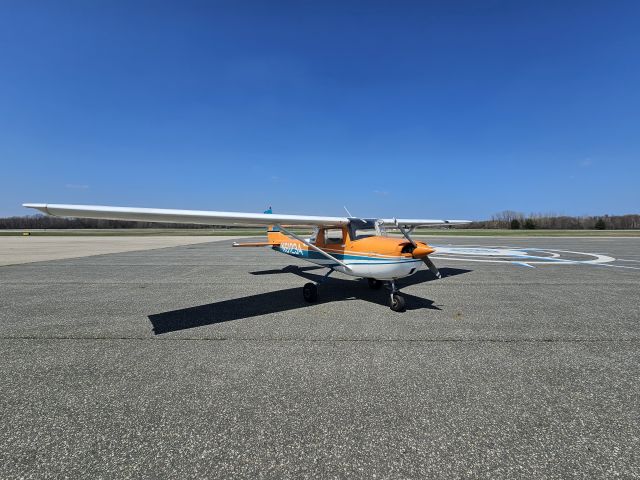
(274, 235)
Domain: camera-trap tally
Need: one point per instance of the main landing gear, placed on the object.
(310, 290)
(397, 304)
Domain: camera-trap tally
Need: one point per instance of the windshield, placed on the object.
(359, 233)
(359, 229)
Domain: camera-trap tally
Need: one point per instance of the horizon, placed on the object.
(425, 110)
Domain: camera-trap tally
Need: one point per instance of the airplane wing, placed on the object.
(414, 222)
(200, 217)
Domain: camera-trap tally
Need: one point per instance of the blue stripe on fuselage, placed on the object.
(346, 258)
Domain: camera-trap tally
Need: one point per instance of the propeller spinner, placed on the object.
(421, 251)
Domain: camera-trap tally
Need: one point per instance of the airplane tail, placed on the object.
(274, 235)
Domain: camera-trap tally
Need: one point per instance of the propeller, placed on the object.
(432, 266)
(420, 251)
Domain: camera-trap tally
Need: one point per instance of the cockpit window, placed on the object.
(333, 236)
(314, 235)
(359, 229)
(359, 233)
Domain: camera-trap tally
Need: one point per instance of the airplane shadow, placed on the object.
(333, 290)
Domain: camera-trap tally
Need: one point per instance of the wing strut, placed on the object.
(313, 247)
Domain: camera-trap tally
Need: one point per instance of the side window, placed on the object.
(333, 236)
(314, 236)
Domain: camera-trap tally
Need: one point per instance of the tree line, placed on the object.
(507, 219)
(516, 220)
(47, 222)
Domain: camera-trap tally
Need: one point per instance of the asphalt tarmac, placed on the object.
(203, 361)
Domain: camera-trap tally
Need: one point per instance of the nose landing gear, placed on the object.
(397, 302)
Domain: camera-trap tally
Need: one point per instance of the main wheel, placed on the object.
(310, 292)
(397, 303)
(374, 284)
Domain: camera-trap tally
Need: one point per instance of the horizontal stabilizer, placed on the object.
(254, 244)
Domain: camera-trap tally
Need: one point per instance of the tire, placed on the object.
(374, 284)
(397, 303)
(310, 292)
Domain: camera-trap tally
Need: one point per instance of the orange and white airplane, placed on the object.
(354, 246)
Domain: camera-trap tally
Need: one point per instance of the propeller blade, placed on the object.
(432, 266)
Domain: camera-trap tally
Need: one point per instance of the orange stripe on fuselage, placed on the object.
(374, 246)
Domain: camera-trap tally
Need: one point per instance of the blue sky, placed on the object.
(408, 109)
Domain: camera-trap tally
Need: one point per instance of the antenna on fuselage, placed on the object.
(352, 218)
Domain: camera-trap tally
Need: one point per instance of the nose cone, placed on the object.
(422, 251)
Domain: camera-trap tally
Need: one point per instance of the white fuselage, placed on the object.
(363, 266)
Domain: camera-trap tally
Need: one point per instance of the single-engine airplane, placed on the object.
(354, 246)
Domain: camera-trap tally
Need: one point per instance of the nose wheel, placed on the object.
(397, 301)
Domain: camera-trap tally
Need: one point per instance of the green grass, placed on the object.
(137, 232)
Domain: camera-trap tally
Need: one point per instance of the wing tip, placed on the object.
(38, 206)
